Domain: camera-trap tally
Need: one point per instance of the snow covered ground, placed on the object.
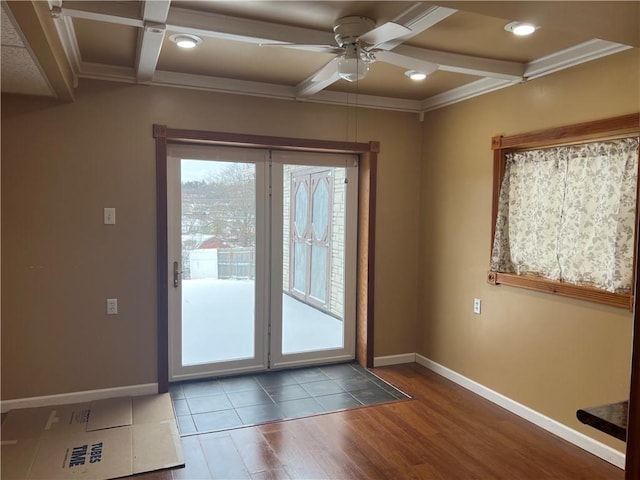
(218, 325)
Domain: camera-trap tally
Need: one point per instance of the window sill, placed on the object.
(560, 288)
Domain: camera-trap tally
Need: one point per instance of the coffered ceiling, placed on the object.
(48, 47)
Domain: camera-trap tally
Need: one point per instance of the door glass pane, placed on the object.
(313, 314)
(321, 210)
(218, 261)
(301, 209)
(300, 268)
(319, 273)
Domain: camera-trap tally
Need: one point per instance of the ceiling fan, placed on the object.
(361, 43)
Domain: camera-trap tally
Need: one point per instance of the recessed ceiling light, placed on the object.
(414, 75)
(184, 40)
(521, 29)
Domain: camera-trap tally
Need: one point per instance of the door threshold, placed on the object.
(204, 406)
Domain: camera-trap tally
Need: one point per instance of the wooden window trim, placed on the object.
(606, 129)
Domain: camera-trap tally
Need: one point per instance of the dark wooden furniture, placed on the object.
(610, 418)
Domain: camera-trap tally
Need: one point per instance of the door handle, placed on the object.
(176, 275)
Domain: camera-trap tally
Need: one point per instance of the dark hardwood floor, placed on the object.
(444, 432)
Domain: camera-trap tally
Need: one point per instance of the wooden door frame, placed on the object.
(365, 275)
(632, 461)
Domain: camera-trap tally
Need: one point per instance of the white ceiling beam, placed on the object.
(408, 63)
(198, 23)
(67, 34)
(418, 18)
(149, 45)
(156, 10)
(241, 29)
(150, 38)
(112, 12)
(465, 64)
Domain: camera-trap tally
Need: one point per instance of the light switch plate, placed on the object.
(109, 216)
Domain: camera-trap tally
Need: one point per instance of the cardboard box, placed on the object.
(98, 440)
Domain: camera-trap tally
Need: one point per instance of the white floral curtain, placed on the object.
(568, 214)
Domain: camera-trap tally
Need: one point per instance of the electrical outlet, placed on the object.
(476, 306)
(112, 306)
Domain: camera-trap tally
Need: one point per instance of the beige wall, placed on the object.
(552, 354)
(63, 163)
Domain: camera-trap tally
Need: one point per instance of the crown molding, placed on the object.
(265, 90)
(572, 56)
(164, 78)
(99, 71)
(465, 92)
(366, 101)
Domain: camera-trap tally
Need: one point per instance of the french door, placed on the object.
(311, 210)
(261, 259)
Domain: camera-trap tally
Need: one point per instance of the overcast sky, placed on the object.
(196, 170)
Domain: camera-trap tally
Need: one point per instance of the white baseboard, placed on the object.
(79, 397)
(592, 446)
(394, 359)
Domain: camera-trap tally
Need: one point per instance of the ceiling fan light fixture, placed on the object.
(353, 65)
(415, 75)
(185, 40)
(352, 69)
(520, 28)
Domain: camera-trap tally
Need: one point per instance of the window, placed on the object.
(565, 210)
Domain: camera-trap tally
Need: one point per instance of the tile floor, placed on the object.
(220, 404)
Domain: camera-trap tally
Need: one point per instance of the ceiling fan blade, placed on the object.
(320, 80)
(404, 61)
(307, 47)
(326, 73)
(384, 33)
